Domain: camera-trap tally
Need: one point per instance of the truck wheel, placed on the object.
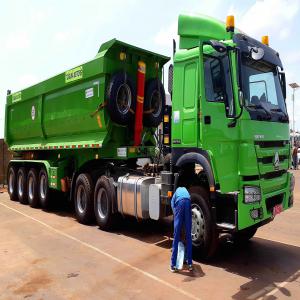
(121, 95)
(243, 236)
(154, 103)
(43, 189)
(12, 183)
(32, 187)
(84, 206)
(104, 197)
(204, 233)
(22, 185)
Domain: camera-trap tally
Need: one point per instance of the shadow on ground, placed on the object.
(264, 262)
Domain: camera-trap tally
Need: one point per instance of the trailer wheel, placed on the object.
(22, 185)
(154, 103)
(204, 233)
(32, 187)
(121, 95)
(12, 183)
(84, 206)
(43, 189)
(104, 197)
(243, 236)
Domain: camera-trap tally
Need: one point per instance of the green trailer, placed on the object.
(226, 132)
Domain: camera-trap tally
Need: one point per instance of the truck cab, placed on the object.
(229, 116)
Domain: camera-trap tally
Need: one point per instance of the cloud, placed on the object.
(268, 17)
(18, 41)
(166, 34)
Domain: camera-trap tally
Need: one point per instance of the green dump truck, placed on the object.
(226, 132)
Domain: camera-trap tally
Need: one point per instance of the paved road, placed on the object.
(48, 255)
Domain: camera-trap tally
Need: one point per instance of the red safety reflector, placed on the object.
(73, 146)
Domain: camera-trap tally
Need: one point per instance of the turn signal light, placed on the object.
(230, 23)
(265, 40)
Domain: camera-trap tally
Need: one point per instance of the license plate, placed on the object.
(277, 209)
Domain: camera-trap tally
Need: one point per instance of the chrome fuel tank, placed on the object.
(133, 195)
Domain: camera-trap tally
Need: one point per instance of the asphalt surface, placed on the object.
(48, 255)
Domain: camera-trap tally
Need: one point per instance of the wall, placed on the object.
(5, 156)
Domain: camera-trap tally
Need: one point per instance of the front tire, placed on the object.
(243, 236)
(104, 197)
(84, 205)
(22, 185)
(204, 234)
(12, 183)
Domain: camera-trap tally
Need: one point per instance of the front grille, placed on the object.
(270, 159)
(271, 144)
(274, 174)
(272, 201)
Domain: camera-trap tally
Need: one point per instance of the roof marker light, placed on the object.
(265, 40)
(230, 23)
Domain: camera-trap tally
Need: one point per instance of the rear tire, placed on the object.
(104, 197)
(83, 199)
(22, 185)
(204, 233)
(32, 187)
(12, 183)
(43, 189)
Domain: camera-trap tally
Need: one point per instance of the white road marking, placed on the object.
(149, 275)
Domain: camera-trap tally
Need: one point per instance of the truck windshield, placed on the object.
(262, 90)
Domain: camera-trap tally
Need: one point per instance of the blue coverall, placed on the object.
(181, 206)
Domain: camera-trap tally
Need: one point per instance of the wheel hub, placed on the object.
(198, 225)
(102, 203)
(81, 199)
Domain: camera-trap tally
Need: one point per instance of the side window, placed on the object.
(217, 77)
(213, 80)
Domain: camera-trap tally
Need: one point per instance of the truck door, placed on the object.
(185, 130)
(217, 109)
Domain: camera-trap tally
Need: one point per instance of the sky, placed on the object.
(40, 39)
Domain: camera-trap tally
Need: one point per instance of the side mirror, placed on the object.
(170, 80)
(282, 83)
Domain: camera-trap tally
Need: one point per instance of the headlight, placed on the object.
(252, 194)
(292, 183)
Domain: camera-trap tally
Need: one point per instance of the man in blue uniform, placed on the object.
(181, 206)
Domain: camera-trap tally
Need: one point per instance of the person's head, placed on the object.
(183, 181)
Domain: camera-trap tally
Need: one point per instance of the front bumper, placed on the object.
(273, 191)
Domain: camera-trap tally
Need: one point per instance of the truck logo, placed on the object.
(276, 161)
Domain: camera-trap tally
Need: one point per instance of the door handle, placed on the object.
(207, 119)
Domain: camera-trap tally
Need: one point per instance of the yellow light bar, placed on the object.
(265, 40)
(230, 23)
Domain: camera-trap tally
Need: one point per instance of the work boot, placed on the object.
(173, 269)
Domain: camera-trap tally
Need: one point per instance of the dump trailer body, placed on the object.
(68, 110)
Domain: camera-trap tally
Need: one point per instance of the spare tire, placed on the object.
(154, 102)
(121, 96)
